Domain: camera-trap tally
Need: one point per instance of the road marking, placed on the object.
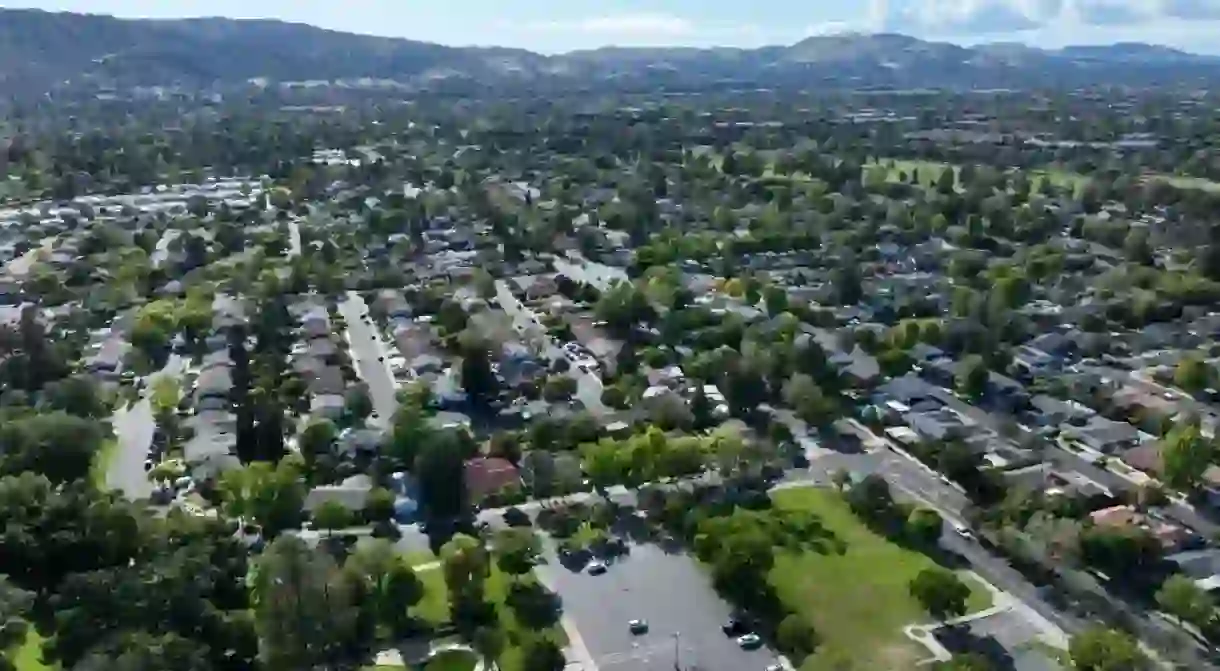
(640, 653)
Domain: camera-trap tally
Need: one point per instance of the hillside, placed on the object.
(43, 51)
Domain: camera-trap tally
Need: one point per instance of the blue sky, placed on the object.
(561, 25)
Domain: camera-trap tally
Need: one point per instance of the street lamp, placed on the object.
(677, 651)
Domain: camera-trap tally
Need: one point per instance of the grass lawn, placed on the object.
(1182, 182)
(497, 590)
(419, 558)
(29, 656)
(858, 601)
(434, 607)
(101, 463)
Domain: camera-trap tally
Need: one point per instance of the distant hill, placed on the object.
(44, 51)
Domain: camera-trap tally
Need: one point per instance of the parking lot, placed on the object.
(672, 595)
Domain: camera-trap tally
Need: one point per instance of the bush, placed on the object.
(515, 517)
(796, 637)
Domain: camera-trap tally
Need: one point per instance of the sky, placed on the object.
(552, 26)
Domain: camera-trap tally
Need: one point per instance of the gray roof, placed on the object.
(207, 445)
(352, 496)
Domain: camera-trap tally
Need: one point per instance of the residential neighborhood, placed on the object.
(723, 379)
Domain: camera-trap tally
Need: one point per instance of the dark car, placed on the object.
(734, 627)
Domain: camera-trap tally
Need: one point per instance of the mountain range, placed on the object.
(44, 51)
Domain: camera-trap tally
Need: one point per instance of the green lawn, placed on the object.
(1188, 182)
(434, 607)
(101, 463)
(497, 589)
(857, 601)
(29, 656)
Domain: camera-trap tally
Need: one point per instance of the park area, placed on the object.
(858, 600)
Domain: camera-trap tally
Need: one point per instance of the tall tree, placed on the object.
(1185, 455)
(1101, 649)
(940, 592)
(306, 609)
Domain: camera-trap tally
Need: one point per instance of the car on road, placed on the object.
(749, 642)
(775, 667)
(735, 627)
(638, 627)
(963, 530)
(595, 568)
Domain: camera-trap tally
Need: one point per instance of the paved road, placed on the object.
(588, 385)
(671, 593)
(369, 356)
(161, 253)
(133, 428)
(294, 237)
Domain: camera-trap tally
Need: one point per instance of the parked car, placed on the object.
(638, 627)
(749, 642)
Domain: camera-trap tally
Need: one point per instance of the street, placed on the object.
(369, 357)
(134, 426)
(588, 385)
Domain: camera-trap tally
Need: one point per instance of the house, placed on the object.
(936, 425)
(108, 359)
(1171, 536)
(487, 475)
(360, 442)
(907, 390)
(209, 444)
(1050, 411)
(215, 382)
(329, 380)
(1203, 566)
(352, 494)
(329, 406)
(1104, 435)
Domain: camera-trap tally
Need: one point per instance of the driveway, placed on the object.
(134, 426)
(369, 356)
(672, 594)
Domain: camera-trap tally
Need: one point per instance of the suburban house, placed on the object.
(352, 494)
(487, 475)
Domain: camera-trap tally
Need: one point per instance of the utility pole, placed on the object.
(677, 651)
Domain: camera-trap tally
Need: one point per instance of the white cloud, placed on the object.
(631, 25)
(830, 28)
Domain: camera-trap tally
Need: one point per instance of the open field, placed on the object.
(858, 601)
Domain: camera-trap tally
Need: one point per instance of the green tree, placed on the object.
(1101, 649)
(972, 376)
(540, 653)
(441, 474)
(332, 516)
(272, 495)
(796, 637)
(489, 642)
(477, 377)
(317, 439)
(1192, 374)
(1181, 597)
(924, 526)
(940, 592)
(465, 565)
(1185, 456)
(306, 610)
(60, 446)
(379, 507)
(516, 550)
(358, 403)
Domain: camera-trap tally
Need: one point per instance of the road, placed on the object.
(134, 426)
(161, 253)
(588, 385)
(294, 237)
(370, 358)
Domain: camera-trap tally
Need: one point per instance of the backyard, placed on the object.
(857, 601)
